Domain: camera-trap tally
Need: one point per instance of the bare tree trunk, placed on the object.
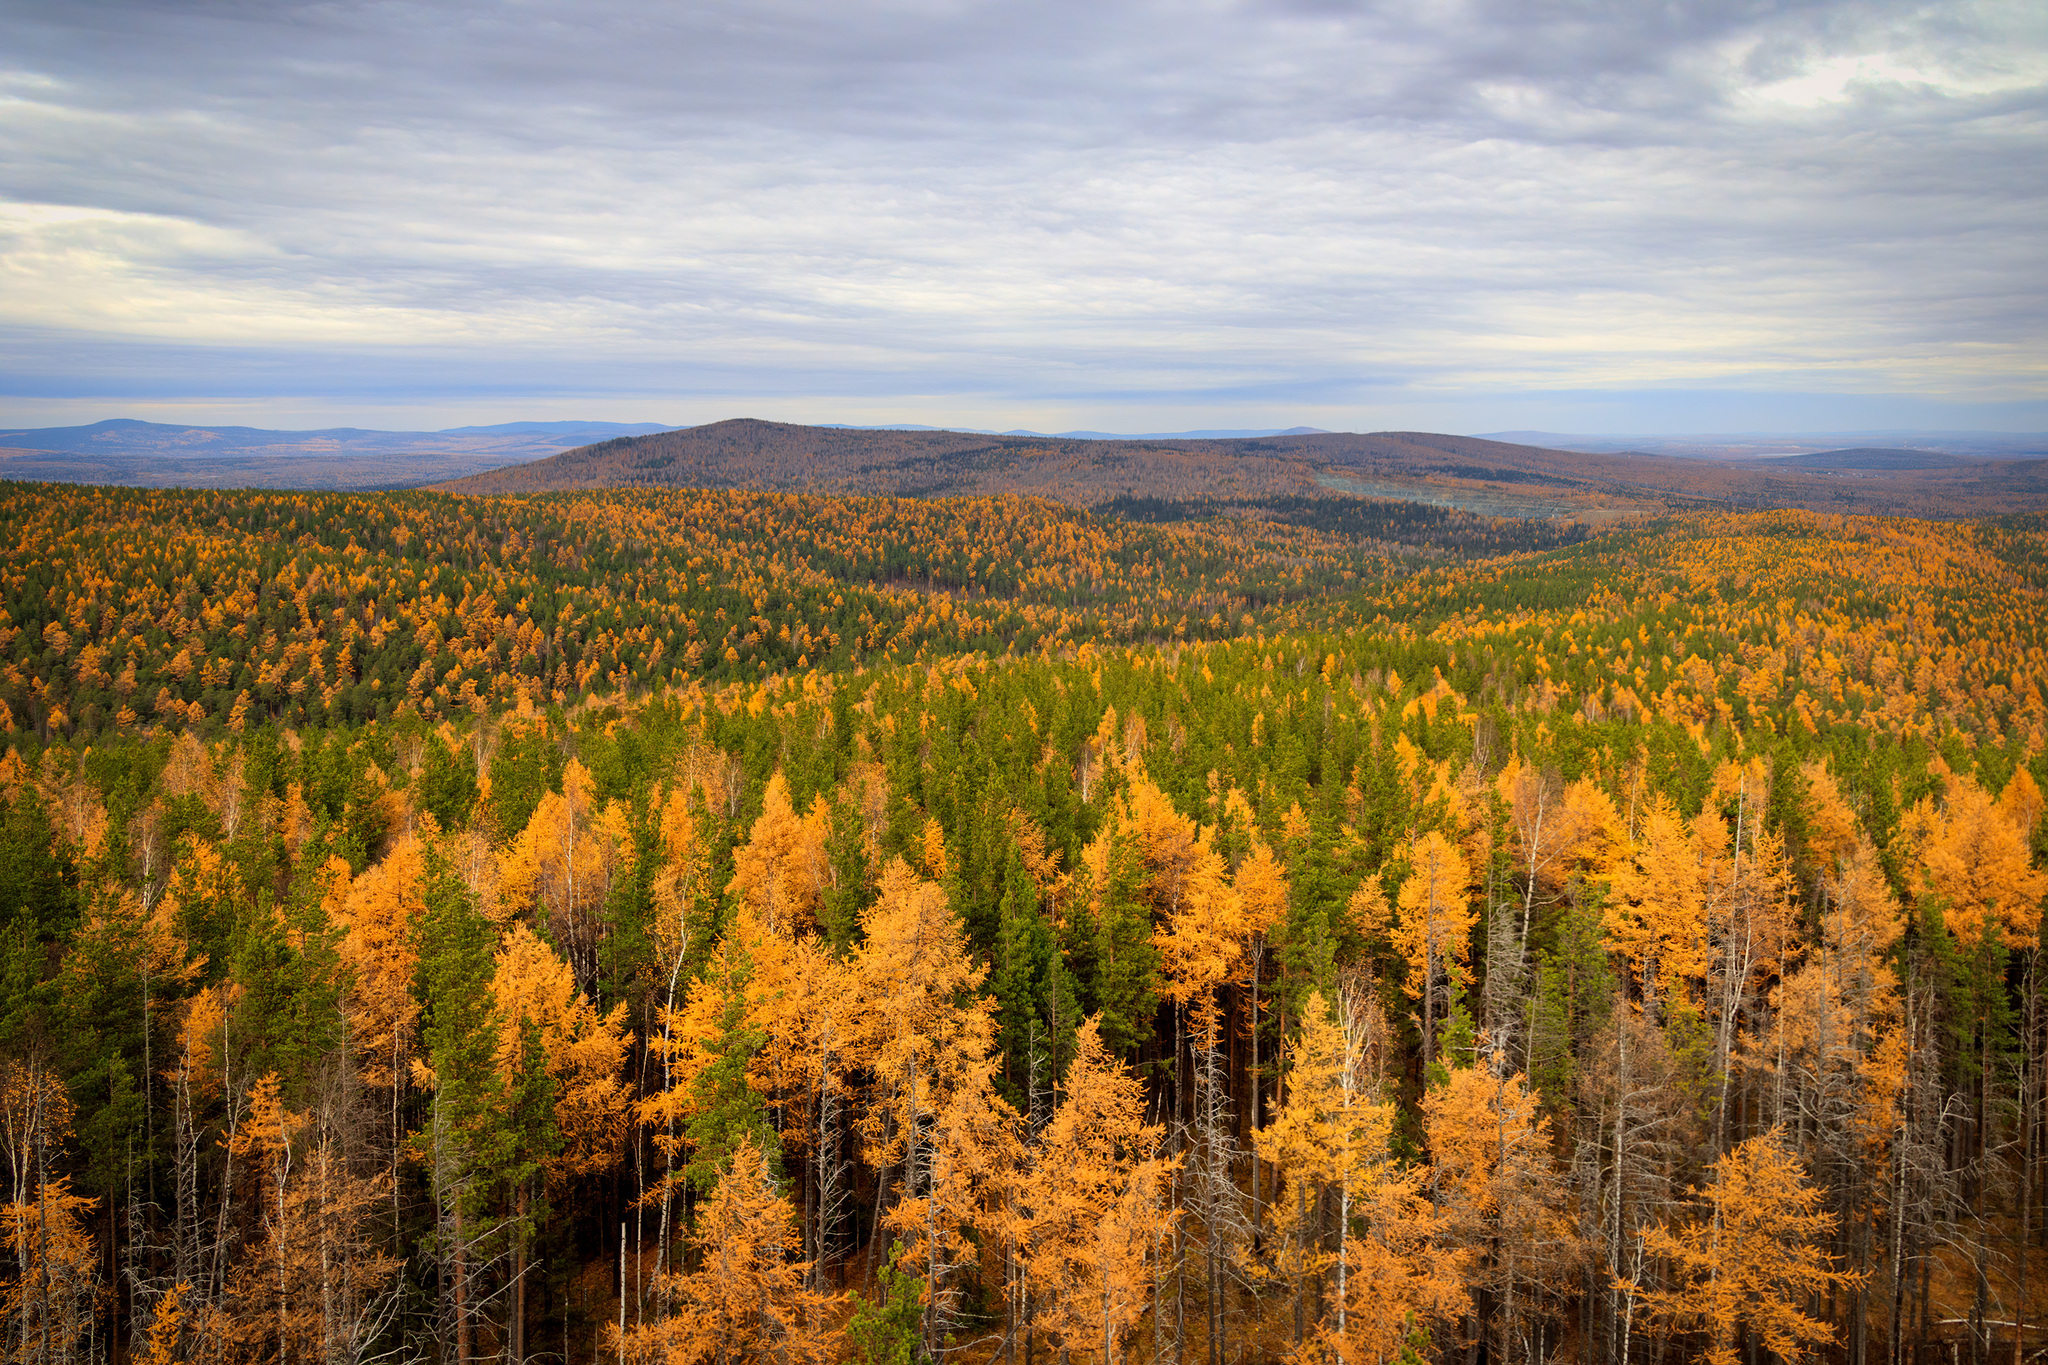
(43, 1221)
(515, 1326)
(1255, 1114)
(1529, 892)
(1896, 1345)
(330, 1310)
(1180, 1294)
(460, 1275)
(1620, 1137)
(2028, 1093)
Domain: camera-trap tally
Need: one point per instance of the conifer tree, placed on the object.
(745, 1301)
(918, 1029)
(1656, 918)
(1433, 931)
(463, 1139)
(1749, 1257)
(46, 1302)
(1094, 1191)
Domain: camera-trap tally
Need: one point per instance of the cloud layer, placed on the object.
(1053, 215)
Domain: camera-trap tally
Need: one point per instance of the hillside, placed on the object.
(132, 607)
(756, 454)
(1493, 477)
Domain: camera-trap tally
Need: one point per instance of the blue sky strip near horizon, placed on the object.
(1458, 215)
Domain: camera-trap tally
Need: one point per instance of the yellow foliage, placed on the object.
(1096, 1205)
(1832, 828)
(914, 1022)
(1751, 1256)
(1433, 926)
(1970, 857)
(378, 914)
(564, 864)
(781, 869)
(1657, 916)
(585, 1051)
(746, 1301)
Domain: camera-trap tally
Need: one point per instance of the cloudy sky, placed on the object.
(1464, 215)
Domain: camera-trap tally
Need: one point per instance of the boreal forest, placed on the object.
(717, 927)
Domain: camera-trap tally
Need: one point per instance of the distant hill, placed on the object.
(1498, 478)
(162, 455)
(1076, 435)
(1232, 434)
(748, 453)
(1871, 457)
(1754, 445)
(577, 431)
(1476, 474)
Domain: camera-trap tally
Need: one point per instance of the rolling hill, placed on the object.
(1498, 478)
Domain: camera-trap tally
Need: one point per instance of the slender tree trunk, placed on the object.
(43, 1232)
(1255, 1114)
(515, 1328)
(1301, 1279)
(1343, 1248)
(825, 1185)
(1429, 989)
(1620, 1157)
(2029, 1081)
(330, 1310)
(397, 1134)
(1011, 1301)
(1529, 892)
(1896, 1345)
(1180, 1291)
(463, 1350)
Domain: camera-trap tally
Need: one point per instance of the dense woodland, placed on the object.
(126, 606)
(682, 927)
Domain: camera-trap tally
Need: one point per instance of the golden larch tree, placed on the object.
(746, 1301)
(563, 865)
(1750, 1256)
(917, 1027)
(1656, 918)
(782, 868)
(1095, 1195)
(47, 1303)
(1433, 928)
(1972, 856)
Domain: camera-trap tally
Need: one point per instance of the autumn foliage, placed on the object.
(1015, 934)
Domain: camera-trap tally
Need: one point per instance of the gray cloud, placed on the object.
(1024, 214)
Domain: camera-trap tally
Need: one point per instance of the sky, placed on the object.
(1454, 215)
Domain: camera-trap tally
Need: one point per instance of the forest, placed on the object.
(675, 926)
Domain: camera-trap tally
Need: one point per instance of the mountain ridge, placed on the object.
(1479, 474)
(126, 450)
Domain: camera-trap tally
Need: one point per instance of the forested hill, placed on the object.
(145, 608)
(1496, 476)
(1017, 933)
(776, 455)
(130, 607)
